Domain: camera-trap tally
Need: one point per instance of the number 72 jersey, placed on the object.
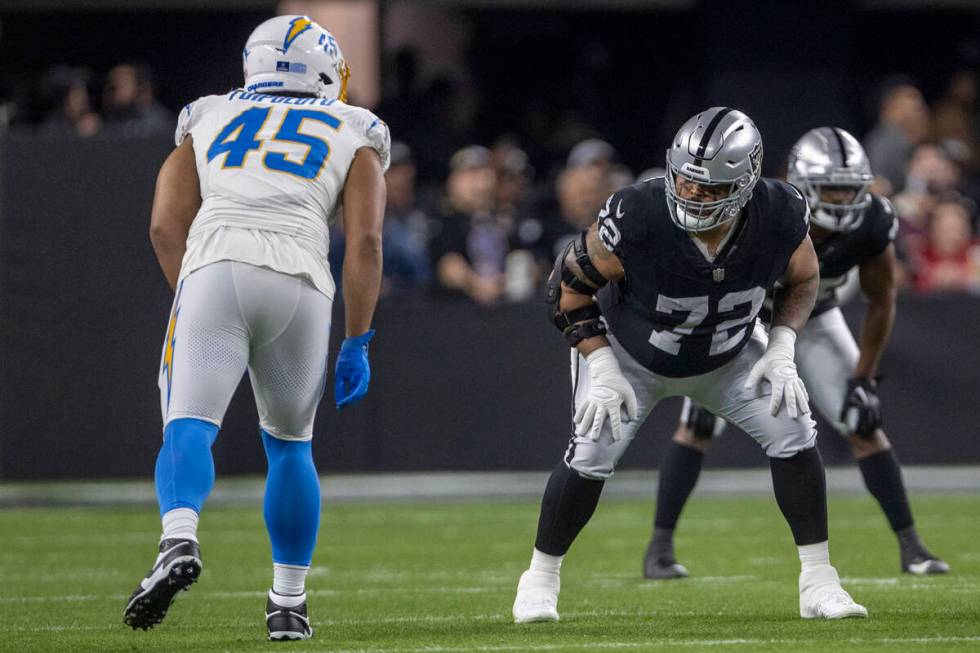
(272, 171)
(676, 312)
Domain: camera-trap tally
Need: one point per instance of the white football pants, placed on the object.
(720, 391)
(229, 316)
(826, 355)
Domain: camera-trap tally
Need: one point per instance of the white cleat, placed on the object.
(537, 597)
(822, 597)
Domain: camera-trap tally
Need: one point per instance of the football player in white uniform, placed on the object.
(852, 230)
(240, 228)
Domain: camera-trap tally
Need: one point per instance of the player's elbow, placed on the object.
(164, 234)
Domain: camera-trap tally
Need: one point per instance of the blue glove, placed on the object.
(353, 372)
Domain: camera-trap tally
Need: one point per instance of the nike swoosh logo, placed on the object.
(619, 209)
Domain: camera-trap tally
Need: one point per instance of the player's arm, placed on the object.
(796, 293)
(580, 271)
(364, 207)
(175, 204)
(793, 300)
(877, 277)
(574, 299)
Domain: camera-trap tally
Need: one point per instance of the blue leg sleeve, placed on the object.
(292, 500)
(185, 468)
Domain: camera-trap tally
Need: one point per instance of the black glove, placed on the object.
(862, 408)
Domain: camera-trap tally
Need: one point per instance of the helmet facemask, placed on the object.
(837, 215)
(697, 216)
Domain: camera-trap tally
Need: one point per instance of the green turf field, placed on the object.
(433, 578)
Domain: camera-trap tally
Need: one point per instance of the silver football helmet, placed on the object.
(719, 146)
(830, 158)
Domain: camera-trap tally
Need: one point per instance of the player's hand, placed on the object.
(777, 367)
(353, 373)
(608, 392)
(862, 408)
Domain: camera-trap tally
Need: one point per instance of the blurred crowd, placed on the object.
(484, 224)
(69, 104)
(493, 229)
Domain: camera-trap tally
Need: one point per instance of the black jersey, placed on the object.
(674, 311)
(840, 252)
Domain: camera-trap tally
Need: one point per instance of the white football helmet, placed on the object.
(293, 53)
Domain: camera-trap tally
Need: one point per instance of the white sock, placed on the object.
(288, 580)
(180, 523)
(544, 562)
(814, 555)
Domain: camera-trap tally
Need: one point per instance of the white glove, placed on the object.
(777, 366)
(608, 391)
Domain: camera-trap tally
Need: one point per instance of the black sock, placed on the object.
(801, 492)
(679, 473)
(568, 503)
(883, 477)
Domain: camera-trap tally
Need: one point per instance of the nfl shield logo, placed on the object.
(718, 274)
(282, 66)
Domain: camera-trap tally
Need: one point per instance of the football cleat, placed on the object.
(822, 597)
(284, 623)
(177, 567)
(661, 565)
(537, 597)
(924, 564)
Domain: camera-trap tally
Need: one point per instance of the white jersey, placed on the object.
(272, 172)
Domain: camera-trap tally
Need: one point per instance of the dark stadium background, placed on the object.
(82, 304)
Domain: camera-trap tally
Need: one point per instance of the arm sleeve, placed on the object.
(620, 223)
(374, 133)
(795, 218)
(884, 225)
(184, 122)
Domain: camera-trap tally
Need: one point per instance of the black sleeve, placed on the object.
(794, 216)
(882, 227)
(791, 216)
(622, 224)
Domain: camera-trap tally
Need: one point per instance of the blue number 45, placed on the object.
(238, 138)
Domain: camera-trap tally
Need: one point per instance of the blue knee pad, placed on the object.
(185, 468)
(292, 500)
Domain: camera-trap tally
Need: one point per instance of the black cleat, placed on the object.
(659, 563)
(285, 624)
(916, 558)
(176, 568)
(923, 563)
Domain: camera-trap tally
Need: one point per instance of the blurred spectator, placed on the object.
(903, 123)
(581, 192)
(405, 232)
(66, 103)
(129, 103)
(514, 176)
(949, 260)
(470, 245)
(592, 151)
(931, 174)
(955, 115)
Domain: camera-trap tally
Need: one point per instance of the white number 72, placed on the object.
(697, 308)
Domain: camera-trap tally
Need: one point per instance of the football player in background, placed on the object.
(680, 266)
(850, 228)
(240, 228)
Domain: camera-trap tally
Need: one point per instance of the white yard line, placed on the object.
(480, 486)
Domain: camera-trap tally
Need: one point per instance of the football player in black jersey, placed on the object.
(850, 228)
(660, 298)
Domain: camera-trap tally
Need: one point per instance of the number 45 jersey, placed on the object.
(272, 171)
(676, 312)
